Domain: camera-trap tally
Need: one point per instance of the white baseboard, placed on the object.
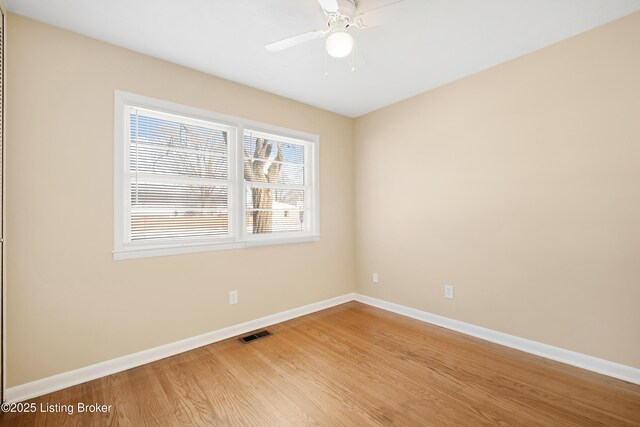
(88, 373)
(601, 366)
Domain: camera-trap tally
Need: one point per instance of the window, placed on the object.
(276, 185)
(188, 180)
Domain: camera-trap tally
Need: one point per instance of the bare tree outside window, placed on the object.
(201, 164)
(258, 168)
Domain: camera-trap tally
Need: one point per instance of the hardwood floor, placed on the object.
(349, 365)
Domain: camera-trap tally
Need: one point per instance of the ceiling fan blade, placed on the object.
(382, 6)
(294, 41)
(329, 6)
(371, 17)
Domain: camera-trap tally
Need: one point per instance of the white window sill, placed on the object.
(148, 252)
(281, 241)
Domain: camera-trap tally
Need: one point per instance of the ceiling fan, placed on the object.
(341, 16)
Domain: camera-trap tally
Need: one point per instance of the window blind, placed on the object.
(178, 177)
(277, 184)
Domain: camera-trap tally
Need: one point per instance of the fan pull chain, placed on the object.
(353, 57)
(326, 70)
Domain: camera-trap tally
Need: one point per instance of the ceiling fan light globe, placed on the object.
(339, 44)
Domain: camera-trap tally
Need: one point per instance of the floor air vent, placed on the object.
(255, 336)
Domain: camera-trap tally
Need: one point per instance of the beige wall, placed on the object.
(520, 186)
(68, 303)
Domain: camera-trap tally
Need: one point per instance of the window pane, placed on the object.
(178, 224)
(274, 172)
(172, 148)
(161, 211)
(271, 210)
(291, 153)
(274, 198)
(150, 158)
(274, 221)
(170, 133)
(268, 159)
(175, 196)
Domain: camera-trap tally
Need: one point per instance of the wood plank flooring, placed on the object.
(351, 365)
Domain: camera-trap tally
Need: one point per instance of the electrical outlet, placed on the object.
(233, 297)
(448, 291)
(375, 278)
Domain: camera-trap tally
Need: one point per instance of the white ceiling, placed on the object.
(420, 44)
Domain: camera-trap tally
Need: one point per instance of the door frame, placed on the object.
(3, 359)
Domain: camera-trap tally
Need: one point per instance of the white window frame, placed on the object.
(238, 237)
